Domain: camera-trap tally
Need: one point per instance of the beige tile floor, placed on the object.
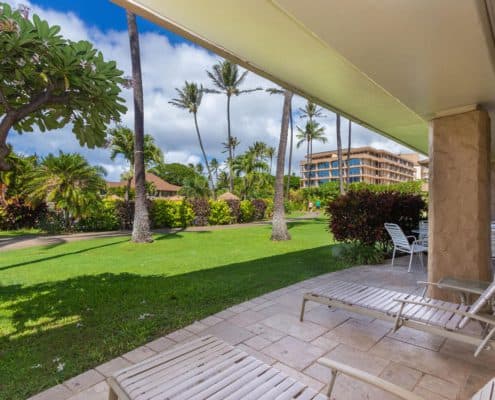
(269, 329)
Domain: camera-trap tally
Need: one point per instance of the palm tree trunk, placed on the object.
(308, 167)
(290, 149)
(339, 156)
(229, 142)
(210, 177)
(141, 228)
(310, 157)
(279, 225)
(349, 154)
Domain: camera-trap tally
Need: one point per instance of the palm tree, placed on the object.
(252, 170)
(349, 154)
(67, 181)
(270, 153)
(141, 232)
(122, 143)
(226, 78)
(189, 98)
(291, 145)
(279, 225)
(195, 187)
(312, 131)
(339, 155)
(214, 165)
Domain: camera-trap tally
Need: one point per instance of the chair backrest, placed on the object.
(398, 237)
(487, 392)
(479, 304)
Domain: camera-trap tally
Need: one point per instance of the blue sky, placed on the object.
(167, 61)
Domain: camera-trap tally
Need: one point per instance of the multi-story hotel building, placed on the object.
(366, 164)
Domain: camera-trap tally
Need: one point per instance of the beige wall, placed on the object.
(459, 197)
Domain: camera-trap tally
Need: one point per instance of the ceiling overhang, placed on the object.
(390, 66)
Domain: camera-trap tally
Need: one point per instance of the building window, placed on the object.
(354, 161)
(354, 171)
(354, 179)
(324, 173)
(335, 172)
(310, 175)
(322, 181)
(323, 165)
(335, 164)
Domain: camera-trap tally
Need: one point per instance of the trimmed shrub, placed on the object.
(201, 210)
(358, 216)
(259, 206)
(52, 222)
(102, 217)
(170, 214)
(235, 210)
(358, 254)
(125, 214)
(247, 211)
(219, 213)
(269, 208)
(19, 214)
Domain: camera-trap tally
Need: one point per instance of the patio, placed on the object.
(268, 328)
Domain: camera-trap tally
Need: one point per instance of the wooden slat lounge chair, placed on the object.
(417, 312)
(485, 393)
(206, 368)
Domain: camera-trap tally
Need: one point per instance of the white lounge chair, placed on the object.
(485, 393)
(417, 312)
(401, 244)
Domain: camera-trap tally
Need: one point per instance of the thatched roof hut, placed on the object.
(228, 196)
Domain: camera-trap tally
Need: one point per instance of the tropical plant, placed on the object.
(279, 225)
(49, 81)
(312, 131)
(189, 98)
(13, 181)
(141, 232)
(227, 80)
(174, 173)
(215, 166)
(251, 170)
(122, 143)
(270, 153)
(67, 181)
(195, 187)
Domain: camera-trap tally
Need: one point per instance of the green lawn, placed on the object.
(19, 232)
(80, 303)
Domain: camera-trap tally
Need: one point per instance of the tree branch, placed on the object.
(3, 100)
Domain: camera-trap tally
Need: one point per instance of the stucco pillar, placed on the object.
(459, 198)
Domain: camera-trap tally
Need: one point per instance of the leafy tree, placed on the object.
(215, 166)
(196, 187)
(174, 173)
(13, 181)
(293, 181)
(48, 82)
(68, 181)
(122, 143)
(252, 172)
(312, 131)
(279, 224)
(227, 80)
(141, 232)
(189, 98)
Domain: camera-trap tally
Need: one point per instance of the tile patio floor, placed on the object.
(268, 327)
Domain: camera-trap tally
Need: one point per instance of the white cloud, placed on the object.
(255, 116)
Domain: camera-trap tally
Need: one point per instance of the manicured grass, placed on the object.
(82, 303)
(19, 232)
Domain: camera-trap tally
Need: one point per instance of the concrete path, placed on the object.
(268, 328)
(22, 242)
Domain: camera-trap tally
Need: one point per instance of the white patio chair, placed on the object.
(401, 243)
(423, 230)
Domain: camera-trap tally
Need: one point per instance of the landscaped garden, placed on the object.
(69, 307)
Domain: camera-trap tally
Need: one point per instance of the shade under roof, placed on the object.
(388, 65)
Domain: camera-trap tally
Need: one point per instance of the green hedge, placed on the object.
(247, 211)
(170, 214)
(219, 213)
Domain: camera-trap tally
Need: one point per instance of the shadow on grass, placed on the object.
(59, 255)
(87, 320)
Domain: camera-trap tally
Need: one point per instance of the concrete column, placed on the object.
(459, 199)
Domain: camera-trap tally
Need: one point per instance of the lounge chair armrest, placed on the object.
(370, 379)
(463, 313)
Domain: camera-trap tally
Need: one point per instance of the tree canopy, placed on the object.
(47, 81)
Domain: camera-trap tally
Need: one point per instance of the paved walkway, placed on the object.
(22, 242)
(268, 328)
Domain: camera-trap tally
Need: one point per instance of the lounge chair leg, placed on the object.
(302, 309)
(393, 258)
(332, 382)
(397, 319)
(484, 342)
(410, 261)
(421, 260)
(112, 395)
